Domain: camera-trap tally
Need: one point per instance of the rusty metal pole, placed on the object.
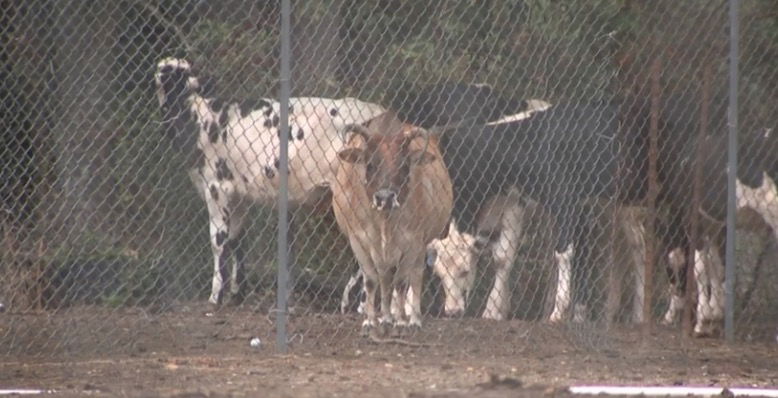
(694, 215)
(653, 192)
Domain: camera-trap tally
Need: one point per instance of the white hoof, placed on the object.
(491, 313)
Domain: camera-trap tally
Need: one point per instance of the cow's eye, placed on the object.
(370, 168)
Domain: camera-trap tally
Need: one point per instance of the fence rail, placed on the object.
(597, 156)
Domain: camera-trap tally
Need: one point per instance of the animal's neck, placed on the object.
(200, 111)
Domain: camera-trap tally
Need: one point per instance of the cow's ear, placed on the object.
(420, 158)
(352, 155)
(431, 256)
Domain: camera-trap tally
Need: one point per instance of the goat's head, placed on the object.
(387, 160)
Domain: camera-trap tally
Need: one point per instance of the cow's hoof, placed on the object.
(397, 331)
(212, 308)
(383, 329)
(414, 326)
(236, 300)
(367, 327)
(706, 329)
(492, 315)
(556, 318)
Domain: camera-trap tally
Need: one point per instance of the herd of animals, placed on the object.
(446, 174)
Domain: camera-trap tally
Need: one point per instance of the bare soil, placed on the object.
(102, 352)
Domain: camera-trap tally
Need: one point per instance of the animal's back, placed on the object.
(252, 144)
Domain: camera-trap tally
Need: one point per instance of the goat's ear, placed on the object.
(419, 157)
(352, 155)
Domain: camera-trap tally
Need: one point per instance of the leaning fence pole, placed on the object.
(732, 123)
(283, 194)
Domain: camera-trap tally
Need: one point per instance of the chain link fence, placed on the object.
(140, 166)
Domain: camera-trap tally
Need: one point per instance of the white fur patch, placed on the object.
(533, 105)
(564, 261)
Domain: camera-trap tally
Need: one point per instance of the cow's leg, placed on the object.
(635, 236)
(718, 294)
(386, 276)
(564, 262)
(371, 283)
(237, 218)
(353, 281)
(370, 279)
(676, 272)
(400, 295)
(615, 279)
(703, 290)
(504, 252)
(416, 284)
(217, 201)
(709, 321)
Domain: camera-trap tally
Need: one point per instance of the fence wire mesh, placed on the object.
(139, 167)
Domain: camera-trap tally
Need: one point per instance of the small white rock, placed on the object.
(255, 342)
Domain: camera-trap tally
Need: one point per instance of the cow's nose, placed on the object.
(385, 199)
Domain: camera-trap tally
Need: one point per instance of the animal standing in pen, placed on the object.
(392, 198)
(560, 157)
(755, 189)
(234, 154)
(576, 160)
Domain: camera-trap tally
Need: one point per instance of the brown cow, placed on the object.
(393, 196)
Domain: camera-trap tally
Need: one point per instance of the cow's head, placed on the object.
(454, 263)
(388, 160)
(175, 84)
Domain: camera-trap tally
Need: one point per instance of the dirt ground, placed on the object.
(184, 353)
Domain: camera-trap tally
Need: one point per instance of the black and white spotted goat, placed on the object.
(235, 148)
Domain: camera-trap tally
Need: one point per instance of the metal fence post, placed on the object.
(732, 123)
(283, 199)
